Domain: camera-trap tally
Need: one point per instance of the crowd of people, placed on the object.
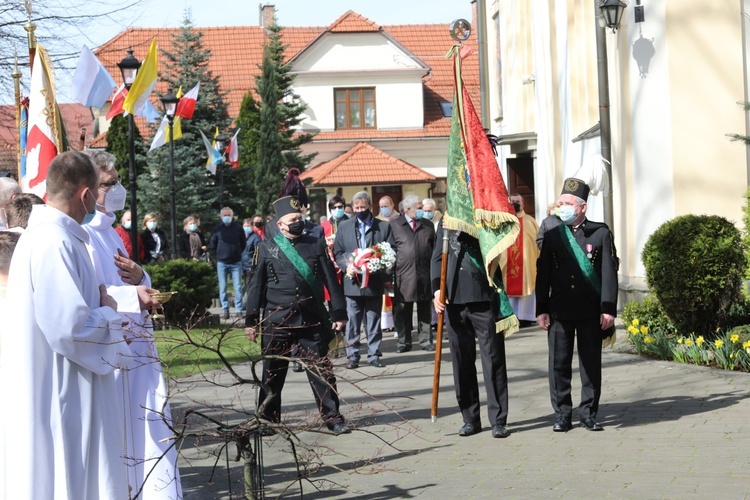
(90, 400)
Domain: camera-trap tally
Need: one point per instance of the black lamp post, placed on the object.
(129, 67)
(222, 141)
(170, 106)
(610, 12)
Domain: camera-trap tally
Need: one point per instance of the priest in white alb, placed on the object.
(61, 435)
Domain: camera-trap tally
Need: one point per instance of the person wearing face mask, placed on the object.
(142, 386)
(227, 243)
(257, 224)
(337, 207)
(431, 213)
(123, 231)
(363, 305)
(576, 296)
(414, 239)
(190, 244)
(292, 269)
(249, 254)
(518, 264)
(155, 240)
(387, 211)
(67, 341)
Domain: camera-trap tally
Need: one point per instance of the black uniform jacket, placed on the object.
(561, 288)
(283, 294)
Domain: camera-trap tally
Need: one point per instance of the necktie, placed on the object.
(414, 224)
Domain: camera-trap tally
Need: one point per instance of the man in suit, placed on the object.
(414, 239)
(288, 285)
(576, 294)
(362, 304)
(471, 310)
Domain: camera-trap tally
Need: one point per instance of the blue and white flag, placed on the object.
(92, 84)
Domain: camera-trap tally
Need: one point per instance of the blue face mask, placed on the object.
(192, 227)
(126, 224)
(429, 215)
(419, 214)
(385, 211)
(247, 230)
(337, 213)
(566, 213)
(89, 216)
(227, 219)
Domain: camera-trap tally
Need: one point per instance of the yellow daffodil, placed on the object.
(718, 343)
(636, 322)
(734, 338)
(688, 341)
(633, 330)
(648, 340)
(644, 329)
(699, 341)
(680, 340)
(746, 345)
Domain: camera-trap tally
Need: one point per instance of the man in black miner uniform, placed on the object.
(288, 286)
(576, 293)
(472, 310)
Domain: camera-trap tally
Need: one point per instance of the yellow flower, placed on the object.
(635, 322)
(731, 355)
(644, 329)
(746, 345)
(718, 342)
(699, 341)
(680, 340)
(648, 340)
(633, 330)
(688, 341)
(734, 338)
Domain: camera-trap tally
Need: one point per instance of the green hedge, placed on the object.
(195, 283)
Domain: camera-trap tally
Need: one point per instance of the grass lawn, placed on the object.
(183, 354)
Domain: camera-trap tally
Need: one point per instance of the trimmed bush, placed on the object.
(195, 283)
(694, 266)
(649, 313)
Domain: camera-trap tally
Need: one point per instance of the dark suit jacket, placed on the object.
(280, 291)
(465, 282)
(347, 240)
(411, 273)
(561, 289)
(149, 244)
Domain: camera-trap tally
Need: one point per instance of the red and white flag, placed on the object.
(233, 151)
(119, 98)
(186, 106)
(46, 137)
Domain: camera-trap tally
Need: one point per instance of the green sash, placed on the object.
(307, 274)
(587, 268)
(508, 323)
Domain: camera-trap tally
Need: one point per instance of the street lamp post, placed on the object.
(170, 106)
(221, 146)
(610, 13)
(129, 67)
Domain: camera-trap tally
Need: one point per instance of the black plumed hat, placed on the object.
(293, 186)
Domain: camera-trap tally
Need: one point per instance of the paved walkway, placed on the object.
(671, 431)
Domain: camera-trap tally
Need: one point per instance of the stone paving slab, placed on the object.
(671, 431)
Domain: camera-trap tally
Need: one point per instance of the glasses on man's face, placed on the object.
(338, 206)
(109, 184)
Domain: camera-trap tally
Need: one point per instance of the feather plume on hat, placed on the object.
(594, 173)
(293, 186)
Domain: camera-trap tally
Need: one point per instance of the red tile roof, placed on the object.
(351, 22)
(365, 164)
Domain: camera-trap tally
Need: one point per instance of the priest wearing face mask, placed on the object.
(292, 269)
(576, 296)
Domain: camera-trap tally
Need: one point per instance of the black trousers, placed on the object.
(466, 322)
(312, 350)
(561, 335)
(403, 313)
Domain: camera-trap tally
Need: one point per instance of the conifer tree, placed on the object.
(239, 183)
(117, 144)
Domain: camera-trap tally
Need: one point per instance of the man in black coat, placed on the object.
(414, 240)
(471, 310)
(362, 304)
(576, 294)
(287, 286)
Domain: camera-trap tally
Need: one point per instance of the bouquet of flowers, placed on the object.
(369, 260)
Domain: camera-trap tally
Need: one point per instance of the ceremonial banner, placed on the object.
(144, 83)
(46, 137)
(92, 84)
(23, 129)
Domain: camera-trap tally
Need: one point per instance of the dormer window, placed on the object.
(447, 108)
(355, 108)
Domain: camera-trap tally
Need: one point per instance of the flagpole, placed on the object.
(439, 337)
(17, 87)
(30, 27)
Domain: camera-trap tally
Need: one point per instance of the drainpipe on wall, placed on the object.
(481, 30)
(745, 63)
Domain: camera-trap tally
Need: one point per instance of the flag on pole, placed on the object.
(149, 112)
(117, 102)
(22, 133)
(161, 137)
(92, 84)
(144, 83)
(233, 151)
(186, 106)
(46, 137)
(214, 157)
(477, 198)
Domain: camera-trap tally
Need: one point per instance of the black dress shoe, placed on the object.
(499, 431)
(562, 424)
(428, 347)
(403, 348)
(352, 365)
(470, 429)
(590, 424)
(296, 367)
(376, 363)
(340, 428)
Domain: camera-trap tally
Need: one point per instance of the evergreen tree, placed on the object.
(239, 183)
(196, 189)
(117, 144)
(278, 140)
